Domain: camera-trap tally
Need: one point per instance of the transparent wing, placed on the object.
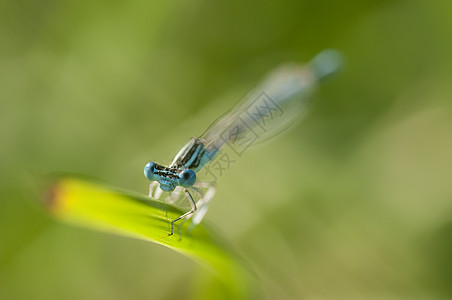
(275, 104)
(263, 113)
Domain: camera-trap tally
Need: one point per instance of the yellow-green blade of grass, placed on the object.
(90, 204)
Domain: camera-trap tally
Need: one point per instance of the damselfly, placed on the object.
(276, 103)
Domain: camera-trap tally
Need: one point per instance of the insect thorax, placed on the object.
(190, 156)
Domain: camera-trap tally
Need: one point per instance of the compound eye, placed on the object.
(187, 178)
(149, 170)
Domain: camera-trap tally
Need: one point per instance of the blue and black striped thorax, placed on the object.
(182, 171)
(192, 156)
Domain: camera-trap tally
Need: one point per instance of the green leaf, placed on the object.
(96, 206)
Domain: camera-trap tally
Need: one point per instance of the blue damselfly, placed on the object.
(275, 104)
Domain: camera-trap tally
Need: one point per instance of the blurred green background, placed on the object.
(102, 87)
